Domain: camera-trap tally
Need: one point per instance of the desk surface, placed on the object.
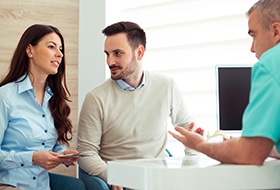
(192, 173)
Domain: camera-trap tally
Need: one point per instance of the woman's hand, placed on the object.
(50, 160)
(70, 161)
(46, 160)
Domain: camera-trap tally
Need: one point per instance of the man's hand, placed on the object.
(274, 153)
(117, 187)
(189, 138)
(198, 130)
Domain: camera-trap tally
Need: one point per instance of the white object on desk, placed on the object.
(204, 174)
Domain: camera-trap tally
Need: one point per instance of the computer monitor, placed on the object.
(233, 87)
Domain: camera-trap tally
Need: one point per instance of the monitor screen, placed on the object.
(233, 88)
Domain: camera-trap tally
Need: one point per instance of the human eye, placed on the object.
(252, 34)
(51, 46)
(118, 53)
(106, 53)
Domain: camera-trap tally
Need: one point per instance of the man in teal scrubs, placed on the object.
(261, 120)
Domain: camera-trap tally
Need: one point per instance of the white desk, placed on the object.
(201, 173)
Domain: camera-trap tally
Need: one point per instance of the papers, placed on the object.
(75, 155)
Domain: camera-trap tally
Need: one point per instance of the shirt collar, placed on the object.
(24, 84)
(123, 85)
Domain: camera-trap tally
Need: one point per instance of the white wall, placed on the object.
(91, 55)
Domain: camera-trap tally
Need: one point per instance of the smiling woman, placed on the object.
(16, 16)
(46, 56)
(35, 128)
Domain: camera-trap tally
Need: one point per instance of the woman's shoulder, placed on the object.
(8, 87)
(8, 90)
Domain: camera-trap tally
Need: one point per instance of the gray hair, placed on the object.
(268, 12)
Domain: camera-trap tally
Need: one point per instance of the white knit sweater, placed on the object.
(117, 124)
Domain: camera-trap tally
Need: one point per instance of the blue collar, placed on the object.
(123, 85)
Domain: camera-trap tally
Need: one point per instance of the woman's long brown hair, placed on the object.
(20, 67)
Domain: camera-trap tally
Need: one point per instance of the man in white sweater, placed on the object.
(126, 117)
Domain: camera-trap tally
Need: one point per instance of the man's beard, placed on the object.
(127, 71)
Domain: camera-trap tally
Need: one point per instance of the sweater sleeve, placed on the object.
(180, 114)
(89, 137)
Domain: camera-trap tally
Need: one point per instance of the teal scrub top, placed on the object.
(262, 115)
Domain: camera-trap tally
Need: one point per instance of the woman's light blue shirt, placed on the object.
(25, 127)
(262, 115)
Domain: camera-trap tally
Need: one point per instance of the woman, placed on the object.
(35, 128)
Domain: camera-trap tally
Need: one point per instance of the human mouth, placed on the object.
(56, 63)
(114, 69)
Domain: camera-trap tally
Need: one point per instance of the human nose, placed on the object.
(59, 53)
(252, 48)
(110, 60)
